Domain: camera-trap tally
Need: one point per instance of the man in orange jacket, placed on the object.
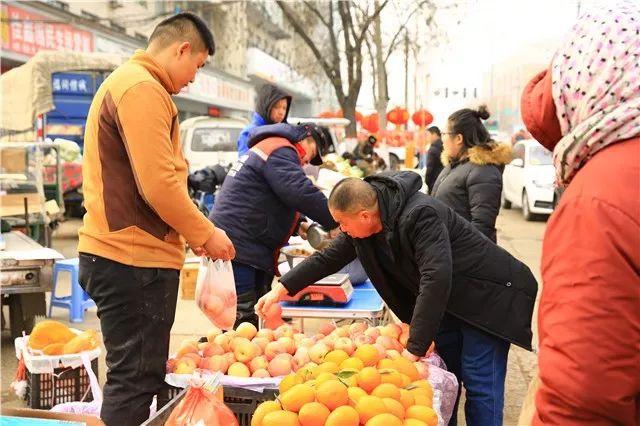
(139, 213)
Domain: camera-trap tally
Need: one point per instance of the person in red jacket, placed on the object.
(586, 109)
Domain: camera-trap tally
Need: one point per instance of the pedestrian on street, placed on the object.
(471, 181)
(272, 107)
(425, 260)
(434, 163)
(139, 213)
(585, 108)
(260, 202)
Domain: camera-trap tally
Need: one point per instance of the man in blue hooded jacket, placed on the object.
(260, 203)
(272, 107)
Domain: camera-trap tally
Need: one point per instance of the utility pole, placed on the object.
(383, 95)
(406, 69)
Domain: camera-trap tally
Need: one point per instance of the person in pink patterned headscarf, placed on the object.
(586, 109)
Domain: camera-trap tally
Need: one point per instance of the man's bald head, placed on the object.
(351, 195)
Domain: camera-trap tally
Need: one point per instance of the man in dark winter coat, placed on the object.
(272, 107)
(424, 259)
(434, 165)
(260, 202)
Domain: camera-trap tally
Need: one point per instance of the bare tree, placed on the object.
(380, 52)
(338, 48)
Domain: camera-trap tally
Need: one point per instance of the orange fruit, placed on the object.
(406, 398)
(394, 407)
(324, 377)
(262, 410)
(352, 364)
(414, 422)
(384, 419)
(425, 414)
(327, 367)
(348, 377)
(385, 363)
(387, 390)
(313, 414)
(336, 356)
(369, 406)
(333, 394)
(406, 381)
(289, 381)
(368, 354)
(404, 366)
(343, 416)
(368, 378)
(355, 393)
(422, 392)
(296, 397)
(281, 418)
(391, 376)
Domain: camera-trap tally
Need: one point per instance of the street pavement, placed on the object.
(522, 239)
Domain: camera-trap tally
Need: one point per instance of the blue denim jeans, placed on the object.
(479, 361)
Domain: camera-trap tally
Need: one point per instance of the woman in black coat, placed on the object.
(471, 184)
(471, 181)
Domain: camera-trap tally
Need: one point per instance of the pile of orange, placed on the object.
(351, 391)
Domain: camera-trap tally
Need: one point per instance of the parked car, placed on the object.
(207, 141)
(528, 181)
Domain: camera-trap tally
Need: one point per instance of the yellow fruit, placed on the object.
(336, 356)
(306, 373)
(369, 406)
(368, 378)
(413, 422)
(343, 416)
(391, 376)
(387, 390)
(425, 414)
(262, 410)
(406, 381)
(394, 407)
(327, 367)
(84, 341)
(54, 349)
(313, 414)
(385, 364)
(384, 419)
(423, 393)
(404, 366)
(289, 381)
(368, 354)
(406, 398)
(47, 332)
(296, 397)
(348, 377)
(281, 418)
(325, 377)
(333, 394)
(355, 393)
(352, 364)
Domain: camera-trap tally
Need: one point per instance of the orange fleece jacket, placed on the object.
(134, 172)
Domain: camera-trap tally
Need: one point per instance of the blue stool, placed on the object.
(79, 301)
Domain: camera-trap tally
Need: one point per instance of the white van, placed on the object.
(207, 141)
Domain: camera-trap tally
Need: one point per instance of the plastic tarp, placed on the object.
(27, 92)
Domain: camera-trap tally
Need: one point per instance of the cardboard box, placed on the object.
(75, 419)
(188, 277)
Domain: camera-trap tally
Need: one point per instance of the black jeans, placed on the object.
(251, 285)
(136, 307)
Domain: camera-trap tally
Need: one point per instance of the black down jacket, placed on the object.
(472, 186)
(437, 261)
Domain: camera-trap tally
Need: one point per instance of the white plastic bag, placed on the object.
(216, 292)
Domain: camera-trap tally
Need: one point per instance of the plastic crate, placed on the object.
(66, 384)
(242, 402)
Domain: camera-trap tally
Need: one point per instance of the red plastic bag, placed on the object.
(216, 292)
(201, 407)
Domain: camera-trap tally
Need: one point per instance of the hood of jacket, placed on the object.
(499, 154)
(293, 134)
(394, 189)
(268, 95)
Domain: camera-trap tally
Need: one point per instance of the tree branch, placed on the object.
(318, 14)
(395, 41)
(368, 22)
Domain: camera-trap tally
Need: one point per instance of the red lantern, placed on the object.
(370, 122)
(422, 118)
(398, 116)
(326, 114)
(359, 116)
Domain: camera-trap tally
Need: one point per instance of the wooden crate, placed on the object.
(188, 276)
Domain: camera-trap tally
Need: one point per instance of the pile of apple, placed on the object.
(248, 352)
